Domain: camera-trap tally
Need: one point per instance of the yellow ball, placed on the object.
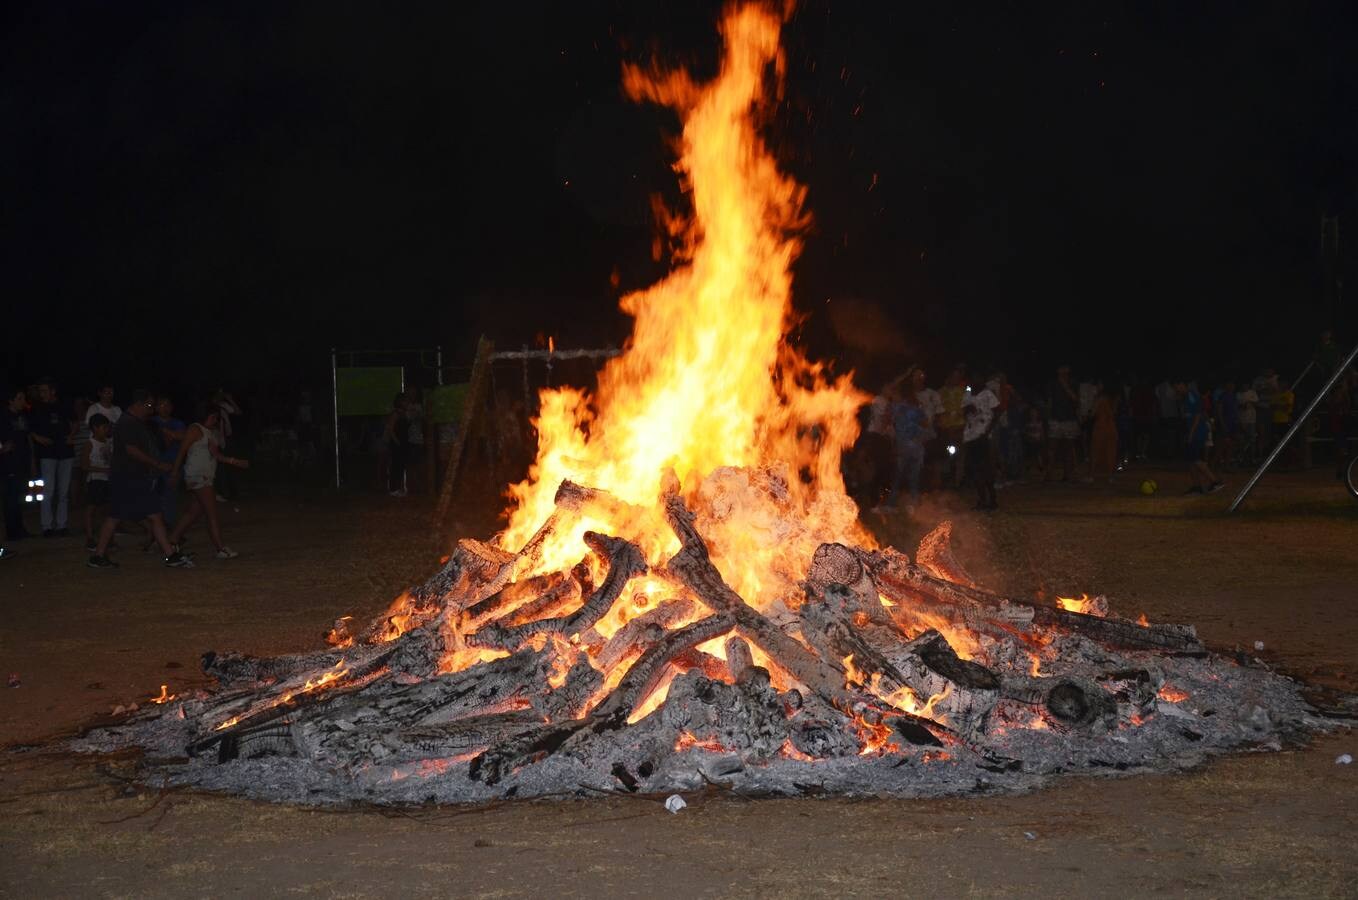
(1148, 487)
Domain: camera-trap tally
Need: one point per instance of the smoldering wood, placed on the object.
(935, 556)
(625, 562)
(514, 595)
(633, 637)
(897, 579)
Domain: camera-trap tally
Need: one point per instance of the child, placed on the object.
(95, 463)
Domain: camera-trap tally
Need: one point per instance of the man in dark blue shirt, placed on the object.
(170, 432)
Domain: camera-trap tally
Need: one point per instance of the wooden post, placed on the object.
(472, 412)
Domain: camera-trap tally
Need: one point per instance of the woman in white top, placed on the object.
(198, 457)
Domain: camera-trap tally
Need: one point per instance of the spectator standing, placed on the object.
(932, 404)
(1063, 426)
(169, 433)
(1103, 440)
(1008, 428)
(197, 459)
(104, 406)
(1265, 386)
(878, 448)
(1226, 409)
(132, 485)
(1167, 418)
(1247, 402)
(1143, 418)
(96, 459)
(980, 409)
(1088, 393)
(911, 428)
(54, 439)
(16, 462)
(952, 420)
(396, 437)
(80, 420)
(1199, 440)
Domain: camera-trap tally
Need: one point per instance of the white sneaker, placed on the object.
(227, 553)
(398, 493)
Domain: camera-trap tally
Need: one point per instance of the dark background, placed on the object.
(197, 194)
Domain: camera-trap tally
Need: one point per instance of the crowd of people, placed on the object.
(982, 430)
(138, 469)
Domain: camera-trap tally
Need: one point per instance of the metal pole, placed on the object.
(438, 361)
(1301, 420)
(1293, 388)
(334, 397)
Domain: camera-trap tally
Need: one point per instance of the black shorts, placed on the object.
(977, 453)
(133, 497)
(96, 493)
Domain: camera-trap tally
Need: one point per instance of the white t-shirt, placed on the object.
(112, 413)
(984, 403)
(1089, 397)
(100, 452)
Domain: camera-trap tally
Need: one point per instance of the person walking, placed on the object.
(199, 453)
(170, 433)
(54, 440)
(1199, 442)
(95, 462)
(226, 408)
(132, 485)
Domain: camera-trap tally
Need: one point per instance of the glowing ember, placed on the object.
(165, 695)
(1171, 694)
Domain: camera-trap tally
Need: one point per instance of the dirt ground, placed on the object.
(1285, 572)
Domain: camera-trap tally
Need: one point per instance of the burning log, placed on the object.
(898, 579)
(624, 563)
(935, 556)
(632, 639)
(531, 593)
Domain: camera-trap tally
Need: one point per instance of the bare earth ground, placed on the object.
(81, 641)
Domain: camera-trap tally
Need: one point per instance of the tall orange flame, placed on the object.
(707, 379)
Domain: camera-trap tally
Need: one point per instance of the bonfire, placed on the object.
(683, 594)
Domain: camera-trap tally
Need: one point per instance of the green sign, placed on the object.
(447, 403)
(367, 390)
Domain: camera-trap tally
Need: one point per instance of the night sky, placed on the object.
(198, 194)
